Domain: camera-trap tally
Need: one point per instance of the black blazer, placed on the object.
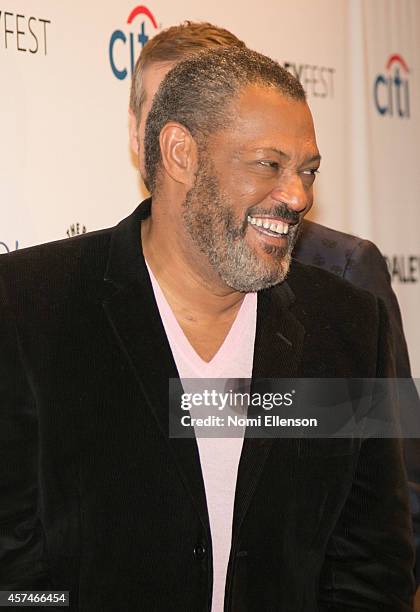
(98, 500)
(360, 262)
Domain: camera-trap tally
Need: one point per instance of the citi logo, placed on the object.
(391, 90)
(124, 47)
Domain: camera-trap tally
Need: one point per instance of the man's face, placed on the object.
(152, 77)
(253, 186)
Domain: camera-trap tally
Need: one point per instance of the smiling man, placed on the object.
(197, 283)
(357, 260)
(259, 149)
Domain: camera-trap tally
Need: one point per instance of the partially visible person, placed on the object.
(360, 262)
(158, 56)
(350, 257)
(354, 259)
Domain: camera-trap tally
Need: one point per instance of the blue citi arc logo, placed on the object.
(391, 90)
(124, 47)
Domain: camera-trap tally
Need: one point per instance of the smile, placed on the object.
(268, 226)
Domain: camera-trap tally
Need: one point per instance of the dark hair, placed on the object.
(198, 93)
(173, 45)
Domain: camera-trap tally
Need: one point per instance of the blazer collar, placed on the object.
(277, 354)
(126, 266)
(279, 335)
(134, 318)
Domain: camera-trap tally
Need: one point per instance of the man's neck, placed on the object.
(203, 305)
(194, 286)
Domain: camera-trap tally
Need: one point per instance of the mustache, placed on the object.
(279, 210)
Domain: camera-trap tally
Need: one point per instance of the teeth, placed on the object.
(278, 228)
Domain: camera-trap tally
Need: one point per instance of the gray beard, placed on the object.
(220, 237)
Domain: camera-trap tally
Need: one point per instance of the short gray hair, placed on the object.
(198, 92)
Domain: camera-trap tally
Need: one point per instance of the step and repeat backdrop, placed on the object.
(65, 68)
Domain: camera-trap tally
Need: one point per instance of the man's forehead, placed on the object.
(263, 98)
(263, 117)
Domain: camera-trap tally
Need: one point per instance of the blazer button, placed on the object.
(200, 552)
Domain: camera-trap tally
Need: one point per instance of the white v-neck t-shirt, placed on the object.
(219, 457)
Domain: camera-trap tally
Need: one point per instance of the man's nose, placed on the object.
(292, 192)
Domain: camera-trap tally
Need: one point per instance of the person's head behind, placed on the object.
(230, 159)
(171, 46)
(157, 57)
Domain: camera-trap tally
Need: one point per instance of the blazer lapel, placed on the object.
(134, 318)
(133, 315)
(279, 335)
(277, 354)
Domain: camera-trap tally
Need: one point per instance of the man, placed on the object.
(355, 259)
(101, 501)
(358, 261)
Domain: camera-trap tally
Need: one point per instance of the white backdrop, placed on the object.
(65, 163)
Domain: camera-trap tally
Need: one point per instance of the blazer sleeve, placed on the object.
(366, 268)
(369, 557)
(22, 546)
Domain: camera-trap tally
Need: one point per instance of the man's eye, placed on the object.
(311, 171)
(269, 164)
(308, 176)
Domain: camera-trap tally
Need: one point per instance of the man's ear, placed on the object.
(133, 132)
(179, 153)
